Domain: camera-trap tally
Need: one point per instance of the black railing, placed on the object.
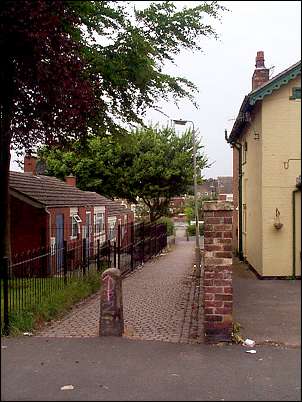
(35, 275)
(138, 243)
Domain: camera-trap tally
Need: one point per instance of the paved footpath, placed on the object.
(160, 302)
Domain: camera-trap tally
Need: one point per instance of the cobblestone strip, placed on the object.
(193, 320)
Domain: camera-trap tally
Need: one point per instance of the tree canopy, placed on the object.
(71, 67)
(67, 64)
(152, 164)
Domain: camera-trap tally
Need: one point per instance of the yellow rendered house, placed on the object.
(266, 142)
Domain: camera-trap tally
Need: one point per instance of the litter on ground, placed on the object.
(249, 342)
(67, 387)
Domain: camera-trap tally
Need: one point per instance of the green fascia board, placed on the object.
(274, 85)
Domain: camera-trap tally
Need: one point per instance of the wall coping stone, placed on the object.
(218, 206)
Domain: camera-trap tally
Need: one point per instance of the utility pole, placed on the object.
(197, 242)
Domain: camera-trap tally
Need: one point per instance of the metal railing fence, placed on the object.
(35, 275)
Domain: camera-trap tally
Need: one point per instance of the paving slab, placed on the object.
(269, 310)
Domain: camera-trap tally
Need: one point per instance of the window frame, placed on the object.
(99, 223)
(75, 225)
(296, 93)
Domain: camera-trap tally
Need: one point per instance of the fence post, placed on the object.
(65, 261)
(143, 243)
(155, 239)
(119, 246)
(114, 252)
(165, 236)
(109, 254)
(132, 245)
(84, 256)
(98, 256)
(150, 241)
(5, 295)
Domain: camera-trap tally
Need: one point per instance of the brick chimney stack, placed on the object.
(71, 180)
(30, 163)
(261, 73)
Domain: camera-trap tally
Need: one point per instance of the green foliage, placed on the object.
(190, 208)
(192, 229)
(148, 163)
(170, 224)
(74, 67)
(189, 212)
(129, 61)
(236, 336)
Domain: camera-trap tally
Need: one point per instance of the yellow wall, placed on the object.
(267, 185)
(281, 140)
(298, 233)
(252, 192)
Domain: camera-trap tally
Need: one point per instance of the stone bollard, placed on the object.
(217, 281)
(111, 314)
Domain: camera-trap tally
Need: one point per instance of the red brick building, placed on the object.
(46, 211)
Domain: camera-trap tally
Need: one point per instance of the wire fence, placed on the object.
(33, 276)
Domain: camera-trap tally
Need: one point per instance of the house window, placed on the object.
(99, 223)
(296, 93)
(52, 246)
(75, 221)
(111, 229)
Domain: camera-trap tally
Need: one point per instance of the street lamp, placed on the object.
(197, 245)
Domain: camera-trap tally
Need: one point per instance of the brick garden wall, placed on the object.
(217, 281)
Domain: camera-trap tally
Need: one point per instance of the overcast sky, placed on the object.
(223, 72)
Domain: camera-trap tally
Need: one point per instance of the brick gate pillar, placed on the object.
(217, 280)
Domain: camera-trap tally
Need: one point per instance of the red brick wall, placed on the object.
(217, 281)
(67, 221)
(29, 226)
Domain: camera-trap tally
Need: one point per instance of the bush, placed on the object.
(192, 231)
(170, 224)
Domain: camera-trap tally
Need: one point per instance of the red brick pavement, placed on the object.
(161, 302)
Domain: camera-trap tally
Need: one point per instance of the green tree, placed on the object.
(151, 164)
(190, 207)
(69, 67)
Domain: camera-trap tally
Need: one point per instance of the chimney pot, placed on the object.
(261, 73)
(260, 59)
(70, 180)
(30, 163)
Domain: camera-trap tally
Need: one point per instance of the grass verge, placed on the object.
(54, 305)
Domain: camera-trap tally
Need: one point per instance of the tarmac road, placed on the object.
(112, 369)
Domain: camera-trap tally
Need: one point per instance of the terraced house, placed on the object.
(266, 142)
(46, 212)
